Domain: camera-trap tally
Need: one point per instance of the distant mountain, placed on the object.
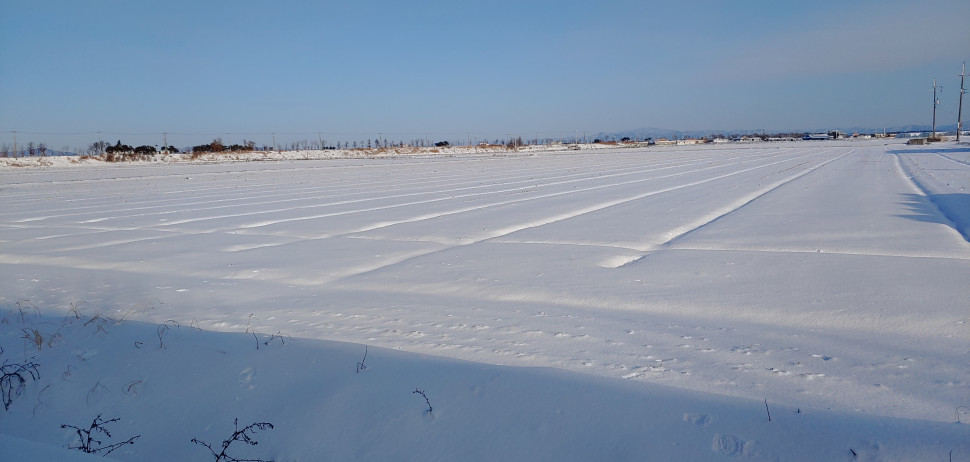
(657, 133)
(48, 153)
(905, 128)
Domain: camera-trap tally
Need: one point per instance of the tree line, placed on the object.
(120, 150)
(217, 146)
(30, 149)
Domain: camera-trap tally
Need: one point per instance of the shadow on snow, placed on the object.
(952, 210)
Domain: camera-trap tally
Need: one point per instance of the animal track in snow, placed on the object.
(700, 420)
(747, 350)
(733, 446)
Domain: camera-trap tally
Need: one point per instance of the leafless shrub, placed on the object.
(75, 311)
(99, 321)
(24, 306)
(278, 335)
(87, 441)
(162, 328)
(33, 336)
(250, 325)
(244, 435)
(360, 364)
(423, 395)
(14, 379)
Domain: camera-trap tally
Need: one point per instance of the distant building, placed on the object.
(748, 139)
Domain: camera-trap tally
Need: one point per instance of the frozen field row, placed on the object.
(822, 275)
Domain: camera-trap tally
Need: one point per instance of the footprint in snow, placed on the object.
(733, 446)
(700, 420)
(246, 378)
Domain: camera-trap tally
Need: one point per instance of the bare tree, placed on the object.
(97, 147)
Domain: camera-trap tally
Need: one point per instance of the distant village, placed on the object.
(754, 138)
(914, 137)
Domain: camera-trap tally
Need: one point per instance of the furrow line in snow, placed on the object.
(218, 189)
(505, 231)
(292, 195)
(432, 200)
(680, 232)
(299, 193)
(827, 251)
(960, 162)
(668, 238)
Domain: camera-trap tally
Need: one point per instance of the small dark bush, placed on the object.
(86, 437)
(238, 435)
(14, 379)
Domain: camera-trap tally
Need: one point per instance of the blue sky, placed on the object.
(449, 69)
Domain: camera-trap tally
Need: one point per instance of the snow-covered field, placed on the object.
(665, 300)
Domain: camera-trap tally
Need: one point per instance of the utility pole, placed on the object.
(15, 143)
(963, 74)
(935, 103)
(165, 141)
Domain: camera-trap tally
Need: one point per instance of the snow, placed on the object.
(613, 304)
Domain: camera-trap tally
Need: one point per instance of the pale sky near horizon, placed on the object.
(450, 70)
